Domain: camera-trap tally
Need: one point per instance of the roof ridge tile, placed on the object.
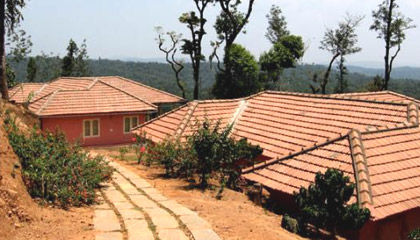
(291, 155)
(121, 90)
(181, 128)
(361, 170)
(146, 86)
(239, 110)
(51, 96)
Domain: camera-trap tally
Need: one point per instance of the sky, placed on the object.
(124, 29)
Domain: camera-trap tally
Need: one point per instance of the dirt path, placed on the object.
(132, 209)
(234, 217)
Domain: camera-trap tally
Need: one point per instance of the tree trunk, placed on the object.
(4, 90)
(327, 75)
(388, 45)
(196, 78)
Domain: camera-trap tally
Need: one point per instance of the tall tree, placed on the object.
(284, 54)
(195, 22)
(277, 25)
(74, 63)
(228, 25)
(244, 75)
(342, 83)
(10, 17)
(339, 42)
(31, 69)
(170, 53)
(390, 24)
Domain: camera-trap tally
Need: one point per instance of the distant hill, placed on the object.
(397, 72)
(160, 75)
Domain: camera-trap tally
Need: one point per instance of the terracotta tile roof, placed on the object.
(88, 95)
(145, 92)
(182, 122)
(282, 122)
(22, 92)
(101, 98)
(375, 143)
(379, 96)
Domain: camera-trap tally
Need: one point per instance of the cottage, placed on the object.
(93, 110)
(374, 138)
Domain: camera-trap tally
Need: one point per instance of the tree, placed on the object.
(284, 54)
(243, 77)
(170, 52)
(228, 25)
(192, 47)
(277, 25)
(390, 24)
(339, 42)
(74, 63)
(376, 84)
(324, 203)
(11, 76)
(10, 17)
(342, 83)
(31, 69)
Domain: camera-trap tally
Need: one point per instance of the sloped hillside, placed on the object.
(21, 217)
(16, 206)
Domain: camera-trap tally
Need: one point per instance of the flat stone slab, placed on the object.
(165, 222)
(106, 221)
(149, 191)
(133, 224)
(172, 234)
(140, 234)
(177, 208)
(195, 222)
(129, 214)
(157, 212)
(123, 205)
(115, 196)
(157, 197)
(141, 183)
(143, 201)
(109, 236)
(204, 234)
(102, 205)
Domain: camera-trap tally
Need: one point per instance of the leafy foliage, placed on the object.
(31, 69)
(54, 170)
(324, 203)
(390, 24)
(277, 25)
(74, 63)
(414, 234)
(243, 79)
(339, 42)
(284, 54)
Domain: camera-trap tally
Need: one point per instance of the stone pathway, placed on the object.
(131, 209)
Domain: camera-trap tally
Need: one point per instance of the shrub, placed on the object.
(123, 151)
(139, 146)
(414, 234)
(323, 203)
(290, 224)
(54, 170)
(217, 151)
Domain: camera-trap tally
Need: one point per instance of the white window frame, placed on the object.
(91, 127)
(131, 123)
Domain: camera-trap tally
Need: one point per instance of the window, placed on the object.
(129, 123)
(91, 128)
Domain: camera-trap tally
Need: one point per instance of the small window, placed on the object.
(129, 123)
(91, 128)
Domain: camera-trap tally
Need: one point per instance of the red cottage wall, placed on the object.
(111, 128)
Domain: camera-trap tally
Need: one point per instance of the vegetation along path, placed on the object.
(130, 208)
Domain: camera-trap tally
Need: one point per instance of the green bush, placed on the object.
(217, 152)
(414, 234)
(290, 224)
(324, 203)
(54, 170)
(123, 151)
